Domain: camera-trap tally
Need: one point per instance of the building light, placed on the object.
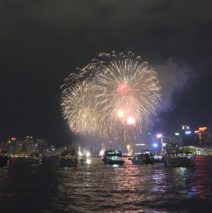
(159, 135)
(202, 129)
(184, 127)
(187, 132)
(155, 145)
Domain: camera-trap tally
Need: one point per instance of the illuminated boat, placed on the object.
(143, 158)
(68, 158)
(34, 158)
(113, 157)
(4, 159)
(174, 157)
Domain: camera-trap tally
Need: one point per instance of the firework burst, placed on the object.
(116, 93)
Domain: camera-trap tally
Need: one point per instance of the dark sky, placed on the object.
(42, 41)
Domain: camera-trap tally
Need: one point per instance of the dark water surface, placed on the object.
(100, 188)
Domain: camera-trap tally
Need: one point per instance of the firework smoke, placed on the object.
(113, 95)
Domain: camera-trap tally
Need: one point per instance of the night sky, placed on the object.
(42, 41)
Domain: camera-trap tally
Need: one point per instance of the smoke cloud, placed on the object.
(173, 77)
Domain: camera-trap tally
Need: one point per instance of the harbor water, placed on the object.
(97, 187)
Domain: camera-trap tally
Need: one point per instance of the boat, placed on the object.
(177, 157)
(4, 159)
(113, 157)
(158, 158)
(82, 159)
(68, 158)
(34, 158)
(143, 158)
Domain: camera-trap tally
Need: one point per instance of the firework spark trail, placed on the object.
(116, 93)
(79, 108)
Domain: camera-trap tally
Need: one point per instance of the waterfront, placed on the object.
(100, 188)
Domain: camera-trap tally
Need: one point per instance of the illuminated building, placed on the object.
(187, 136)
(202, 136)
(26, 146)
(34, 145)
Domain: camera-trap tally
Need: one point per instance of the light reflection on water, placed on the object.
(101, 188)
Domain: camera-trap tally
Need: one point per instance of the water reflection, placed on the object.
(159, 181)
(101, 188)
(201, 181)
